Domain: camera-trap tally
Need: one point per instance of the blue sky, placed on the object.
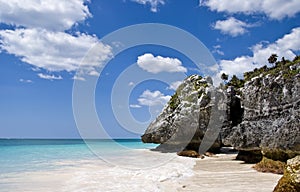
(43, 44)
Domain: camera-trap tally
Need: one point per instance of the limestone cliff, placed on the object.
(264, 117)
(271, 119)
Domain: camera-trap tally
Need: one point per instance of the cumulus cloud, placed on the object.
(53, 51)
(231, 26)
(274, 9)
(160, 64)
(49, 77)
(153, 3)
(54, 15)
(40, 39)
(174, 85)
(283, 47)
(154, 98)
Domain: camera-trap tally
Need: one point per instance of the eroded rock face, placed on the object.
(264, 119)
(271, 120)
(185, 119)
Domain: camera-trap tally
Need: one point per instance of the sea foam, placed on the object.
(162, 177)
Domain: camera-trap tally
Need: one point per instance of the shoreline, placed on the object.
(210, 174)
(224, 173)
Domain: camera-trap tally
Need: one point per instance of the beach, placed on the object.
(224, 173)
(66, 166)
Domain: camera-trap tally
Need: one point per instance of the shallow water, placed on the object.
(71, 165)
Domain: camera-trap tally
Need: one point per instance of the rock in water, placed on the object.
(271, 119)
(185, 119)
(291, 178)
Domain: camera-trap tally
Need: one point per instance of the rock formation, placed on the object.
(291, 178)
(271, 119)
(187, 117)
(263, 118)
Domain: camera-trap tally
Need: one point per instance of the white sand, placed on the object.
(224, 174)
(212, 174)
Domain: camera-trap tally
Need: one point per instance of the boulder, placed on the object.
(190, 153)
(291, 178)
(252, 156)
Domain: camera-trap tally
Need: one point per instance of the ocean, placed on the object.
(92, 165)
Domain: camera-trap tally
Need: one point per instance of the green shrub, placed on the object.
(174, 101)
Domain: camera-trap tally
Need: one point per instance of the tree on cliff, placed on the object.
(236, 82)
(224, 77)
(272, 59)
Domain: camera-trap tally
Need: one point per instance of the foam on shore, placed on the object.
(143, 170)
(96, 175)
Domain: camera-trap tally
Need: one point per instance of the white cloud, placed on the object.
(134, 106)
(79, 78)
(154, 98)
(274, 9)
(160, 64)
(130, 83)
(283, 47)
(237, 66)
(175, 85)
(25, 80)
(231, 26)
(153, 3)
(39, 36)
(94, 73)
(54, 15)
(49, 77)
(217, 50)
(54, 51)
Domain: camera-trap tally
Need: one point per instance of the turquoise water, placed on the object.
(102, 165)
(22, 155)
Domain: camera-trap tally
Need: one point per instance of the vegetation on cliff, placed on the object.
(174, 101)
(283, 67)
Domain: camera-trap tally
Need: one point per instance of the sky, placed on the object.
(68, 67)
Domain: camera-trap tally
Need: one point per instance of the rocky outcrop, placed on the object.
(271, 119)
(270, 166)
(262, 119)
(291, 177)
(191, 113)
